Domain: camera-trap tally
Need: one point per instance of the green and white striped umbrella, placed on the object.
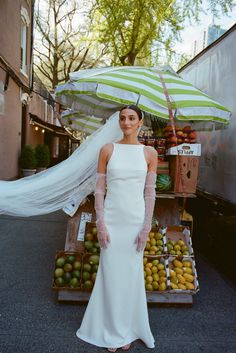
(80, 121)
(100, 92)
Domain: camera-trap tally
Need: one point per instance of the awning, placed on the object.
(34, 120)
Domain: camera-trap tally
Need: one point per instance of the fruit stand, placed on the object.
(169, 265)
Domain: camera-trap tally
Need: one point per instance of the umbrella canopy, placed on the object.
(80, 121)
(158, 91)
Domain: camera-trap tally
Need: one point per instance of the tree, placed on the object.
(138, 31)
(63, 43)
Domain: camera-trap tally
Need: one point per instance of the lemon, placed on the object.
(153, 241)
(154, 269)
(148, 286)
(162, 273)
(155, 277)
(162, 286)
(148, 271)
(155, 285)
(162, 280)
(160, 266)
(149, 279)
(155, 262)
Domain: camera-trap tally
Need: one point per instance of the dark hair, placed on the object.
(135, 108)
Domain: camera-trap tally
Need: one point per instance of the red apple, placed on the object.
(192, 135)
(173, 139)
(187, 128)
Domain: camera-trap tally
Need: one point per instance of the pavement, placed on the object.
(33, 321)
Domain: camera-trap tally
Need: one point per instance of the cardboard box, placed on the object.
(65, 254)
(195, 281)
(185, 149)
(184, 173)
(176, 233)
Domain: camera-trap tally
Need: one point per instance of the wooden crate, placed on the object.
(179, 233)
(65, 254)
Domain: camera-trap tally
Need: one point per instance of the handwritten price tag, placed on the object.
(85, 217)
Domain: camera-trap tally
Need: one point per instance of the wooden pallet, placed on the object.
(166, 210)
(163, 299)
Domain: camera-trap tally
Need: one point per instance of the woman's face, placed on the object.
(129, 121)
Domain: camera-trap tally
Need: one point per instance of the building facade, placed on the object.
(28, 113)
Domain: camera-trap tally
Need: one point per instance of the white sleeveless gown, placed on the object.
(117, 313)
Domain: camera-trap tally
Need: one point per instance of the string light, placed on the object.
(36, 128)
(43, 131)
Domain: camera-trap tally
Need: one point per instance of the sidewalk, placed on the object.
(32, 321)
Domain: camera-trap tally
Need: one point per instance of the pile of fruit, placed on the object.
(89, 271)
(177, 247)
(67, 271)
(155, 243)
(91, 243)
(154, 275)
(181, 275)
(183, 135)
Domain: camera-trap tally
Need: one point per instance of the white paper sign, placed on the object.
(85, 217)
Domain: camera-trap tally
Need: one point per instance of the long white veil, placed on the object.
(63, 186)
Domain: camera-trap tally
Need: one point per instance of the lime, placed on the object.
(96, 244)
(67, 277)
(87, 267)
(93, 277)
(76, 274)
(88, 236)
(94, 231)
(60, 262)
(94, 250)
(94, 259)
(85, 276)
(88, 284)
(88, 245)
(70, 259)
(94, 268)
(77, 265)
(59, 282)
(67, 267)
(74, 282)
(58, 272)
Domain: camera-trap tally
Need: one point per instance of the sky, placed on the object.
(195, 32)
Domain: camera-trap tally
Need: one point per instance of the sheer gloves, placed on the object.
(149, 198)
(103, 236)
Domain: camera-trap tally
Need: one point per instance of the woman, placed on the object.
(116, 314)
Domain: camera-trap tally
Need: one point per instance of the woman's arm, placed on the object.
(149, 198)
(103, 236)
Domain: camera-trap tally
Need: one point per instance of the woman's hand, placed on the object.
(103, 235)
(141, 239)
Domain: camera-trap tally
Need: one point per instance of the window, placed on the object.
(25, 22)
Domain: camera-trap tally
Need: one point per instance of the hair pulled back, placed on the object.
(135, 108)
